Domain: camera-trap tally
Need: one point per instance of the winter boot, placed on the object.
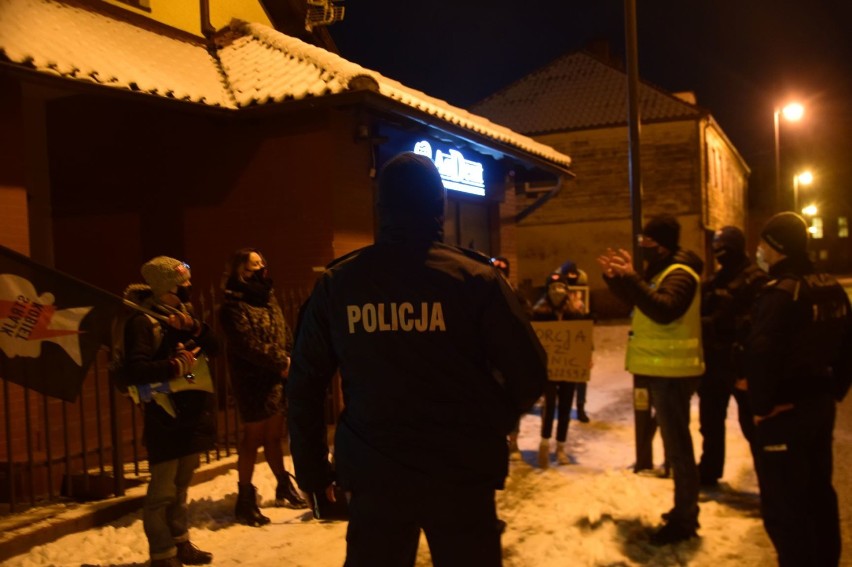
(247, 511)
(582, 416)
(286, 494)
(561, 455)
(544, 453)
(188, 554)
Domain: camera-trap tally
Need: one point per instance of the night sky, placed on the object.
(742, 58)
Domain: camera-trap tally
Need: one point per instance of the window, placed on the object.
(816, 228)
(842, 227)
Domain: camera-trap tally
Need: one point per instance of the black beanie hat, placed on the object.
(731, 239)
(664, 229)
(787, 233)
(410, 185)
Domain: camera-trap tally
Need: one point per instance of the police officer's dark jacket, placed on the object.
(436, 356)
(800, 345)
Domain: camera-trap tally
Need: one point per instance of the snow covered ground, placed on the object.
(595, 511)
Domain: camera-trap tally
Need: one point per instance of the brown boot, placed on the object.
(188, 554)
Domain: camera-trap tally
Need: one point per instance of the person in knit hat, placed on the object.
(160, 350)
(727, 296)
(665, 356)
(437, 361)
(798, 366)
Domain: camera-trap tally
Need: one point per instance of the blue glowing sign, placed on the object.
(457, 173)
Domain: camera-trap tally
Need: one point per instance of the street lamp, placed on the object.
(792, 112)
(803, 178)
(810, 210)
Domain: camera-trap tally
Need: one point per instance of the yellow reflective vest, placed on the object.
(672, 350)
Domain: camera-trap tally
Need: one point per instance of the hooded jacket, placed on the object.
(436, 356)
(193, 430)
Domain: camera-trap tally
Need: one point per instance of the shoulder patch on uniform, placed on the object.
(345, 258)
(473, 254)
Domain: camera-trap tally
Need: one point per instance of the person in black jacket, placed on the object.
(437, 361)
(178, 425)
(664, 352)
(798, 365)
(258, 345)
(727, 297)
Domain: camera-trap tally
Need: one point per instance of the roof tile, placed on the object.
(254, 65)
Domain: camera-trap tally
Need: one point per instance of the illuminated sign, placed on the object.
(457, 173)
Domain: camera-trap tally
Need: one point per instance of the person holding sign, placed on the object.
(558, 304)
(157, 351)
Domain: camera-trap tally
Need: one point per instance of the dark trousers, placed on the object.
(714, 394)
(460, 525)
(557, 400)
(793, 459)
(671, 397)
(581, 396)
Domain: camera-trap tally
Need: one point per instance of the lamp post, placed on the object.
(803, 178)
(792, 112)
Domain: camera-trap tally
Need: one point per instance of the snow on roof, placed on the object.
(253, 64)
(75, 42)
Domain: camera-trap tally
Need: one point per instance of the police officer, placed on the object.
(798, 362)
(727, 297)
(437, 361)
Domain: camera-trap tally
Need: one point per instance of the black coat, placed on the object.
(193, 430)
(800, 344)
(431, 403)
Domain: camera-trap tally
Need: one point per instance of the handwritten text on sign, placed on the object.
(569, 349)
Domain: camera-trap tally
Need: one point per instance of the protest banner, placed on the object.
(569, 348)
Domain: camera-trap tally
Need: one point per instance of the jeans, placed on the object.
(793, 458)
(671, 397)
(164, 514)
(460, 524)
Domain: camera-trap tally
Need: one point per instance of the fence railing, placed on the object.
(52, 450)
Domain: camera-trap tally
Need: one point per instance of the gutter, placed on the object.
(553, 192)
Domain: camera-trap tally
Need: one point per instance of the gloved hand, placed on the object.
(183, 361)
(184, 322)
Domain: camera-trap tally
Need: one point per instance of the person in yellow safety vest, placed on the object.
(664, 351)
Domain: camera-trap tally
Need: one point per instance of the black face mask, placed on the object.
(651, 254)
(183, 293)
(260, 276)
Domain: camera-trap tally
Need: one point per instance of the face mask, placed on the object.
(760, 259)
(183, 293)
(557, 293)
(651, 254)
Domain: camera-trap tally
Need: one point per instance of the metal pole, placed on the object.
(796, 194)
(777, 160)
(644, 423)
(633, 125)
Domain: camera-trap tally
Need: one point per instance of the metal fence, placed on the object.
(90, 449)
